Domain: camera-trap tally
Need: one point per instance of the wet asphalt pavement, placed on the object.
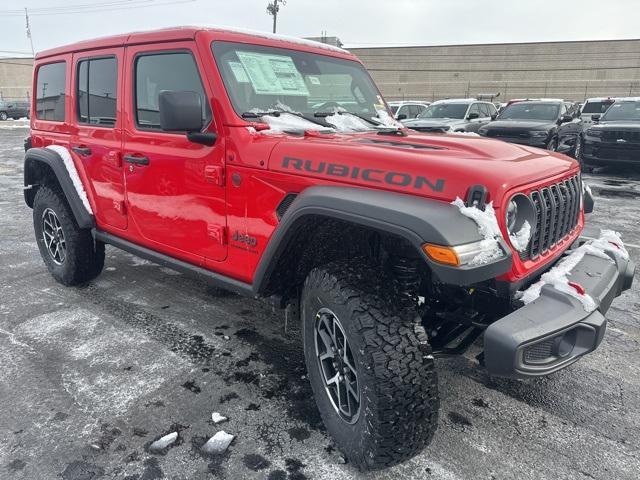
(90, 377)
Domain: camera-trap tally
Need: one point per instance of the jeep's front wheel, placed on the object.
(69, 252)
(369, 364)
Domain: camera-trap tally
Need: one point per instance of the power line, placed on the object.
(98, 7)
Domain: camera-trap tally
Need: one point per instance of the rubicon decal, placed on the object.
(371, 175)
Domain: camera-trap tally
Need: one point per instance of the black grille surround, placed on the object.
(557, 209)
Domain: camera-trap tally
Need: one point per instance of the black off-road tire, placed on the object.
(399, 402)
(4, 116)
(84, 257)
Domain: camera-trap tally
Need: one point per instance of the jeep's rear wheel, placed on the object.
(369, 365)
(70, 252)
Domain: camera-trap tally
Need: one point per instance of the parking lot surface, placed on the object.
(91, 376)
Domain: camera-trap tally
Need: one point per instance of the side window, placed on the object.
(50, 91)
(97, 91)
(421, 109)
(403, 110)
(413, 111)
(475, 108)
(176, 71)
(485, 110)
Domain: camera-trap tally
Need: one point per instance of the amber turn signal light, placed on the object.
(444, 255)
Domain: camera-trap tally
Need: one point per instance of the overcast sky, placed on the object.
(356, 22)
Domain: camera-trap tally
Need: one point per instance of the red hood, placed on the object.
(436, 166)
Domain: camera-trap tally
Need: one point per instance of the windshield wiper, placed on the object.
(277, 113)
(361, 117)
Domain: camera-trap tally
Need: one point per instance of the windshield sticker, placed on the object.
(239, 72)
(273, 74)
(314, 80)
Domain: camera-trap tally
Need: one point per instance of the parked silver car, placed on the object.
(454, 115)
(407, 110)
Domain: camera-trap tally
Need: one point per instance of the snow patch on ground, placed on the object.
(557, 277)
(521, 238)
(164, 442)
(217, 418)
(73, 173)
(488, 228)
(586, 188)
(218, 443)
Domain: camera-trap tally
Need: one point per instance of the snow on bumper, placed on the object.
(556, 327)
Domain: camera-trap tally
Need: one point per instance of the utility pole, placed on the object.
(272, 9)
(26, 16)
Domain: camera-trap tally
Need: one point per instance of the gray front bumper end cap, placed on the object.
(555, 330)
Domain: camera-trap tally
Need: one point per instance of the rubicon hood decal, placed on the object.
(369, 175)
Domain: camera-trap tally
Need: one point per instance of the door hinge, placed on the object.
(214, 174)
(218, 233)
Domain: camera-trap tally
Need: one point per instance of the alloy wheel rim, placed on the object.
(337, 365)
(53, 237)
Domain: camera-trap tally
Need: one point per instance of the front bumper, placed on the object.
(599, 154)
(555, 330)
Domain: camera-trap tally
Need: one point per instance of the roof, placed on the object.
(459, 100)
(185, 33)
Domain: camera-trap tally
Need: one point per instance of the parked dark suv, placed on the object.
(541, 123)
(614, 138)
(13, 109)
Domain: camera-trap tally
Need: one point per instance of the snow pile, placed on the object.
(488, 228)
(73, 173)
(164, 442)
(14, 126)
(470, 134)
(387, 120)
(348, 123)
(217, 418)
(218, 443)
(557, 277)
(521, 238)
(286, 122)
(274, 36)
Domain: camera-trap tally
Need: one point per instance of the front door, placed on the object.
(175, 188)
(97, 84)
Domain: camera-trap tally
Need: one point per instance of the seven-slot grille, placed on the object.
(557, 213)
(615, 136)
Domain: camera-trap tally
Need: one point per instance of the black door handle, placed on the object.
(83, 151)
(135, 159)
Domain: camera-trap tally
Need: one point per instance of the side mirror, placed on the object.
(596, 117)
(182, 112)
(566, 119)
(494, 116)
(402, 116)
(473, 116)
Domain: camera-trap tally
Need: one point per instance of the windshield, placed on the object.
(531, 111)
(445, 110)
(596, 107)
(323, 90)
(623, 111)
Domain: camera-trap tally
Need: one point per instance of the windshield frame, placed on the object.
(366, 82)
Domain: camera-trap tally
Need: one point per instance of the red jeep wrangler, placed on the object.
(271, 167)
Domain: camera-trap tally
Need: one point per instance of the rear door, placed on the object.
(97, 140)
(175, 188)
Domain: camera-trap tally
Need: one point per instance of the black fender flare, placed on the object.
(418, 220)
(36, 158)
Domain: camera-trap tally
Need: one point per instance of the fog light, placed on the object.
(563, 344)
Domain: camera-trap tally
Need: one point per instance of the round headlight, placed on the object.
(520, 220)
